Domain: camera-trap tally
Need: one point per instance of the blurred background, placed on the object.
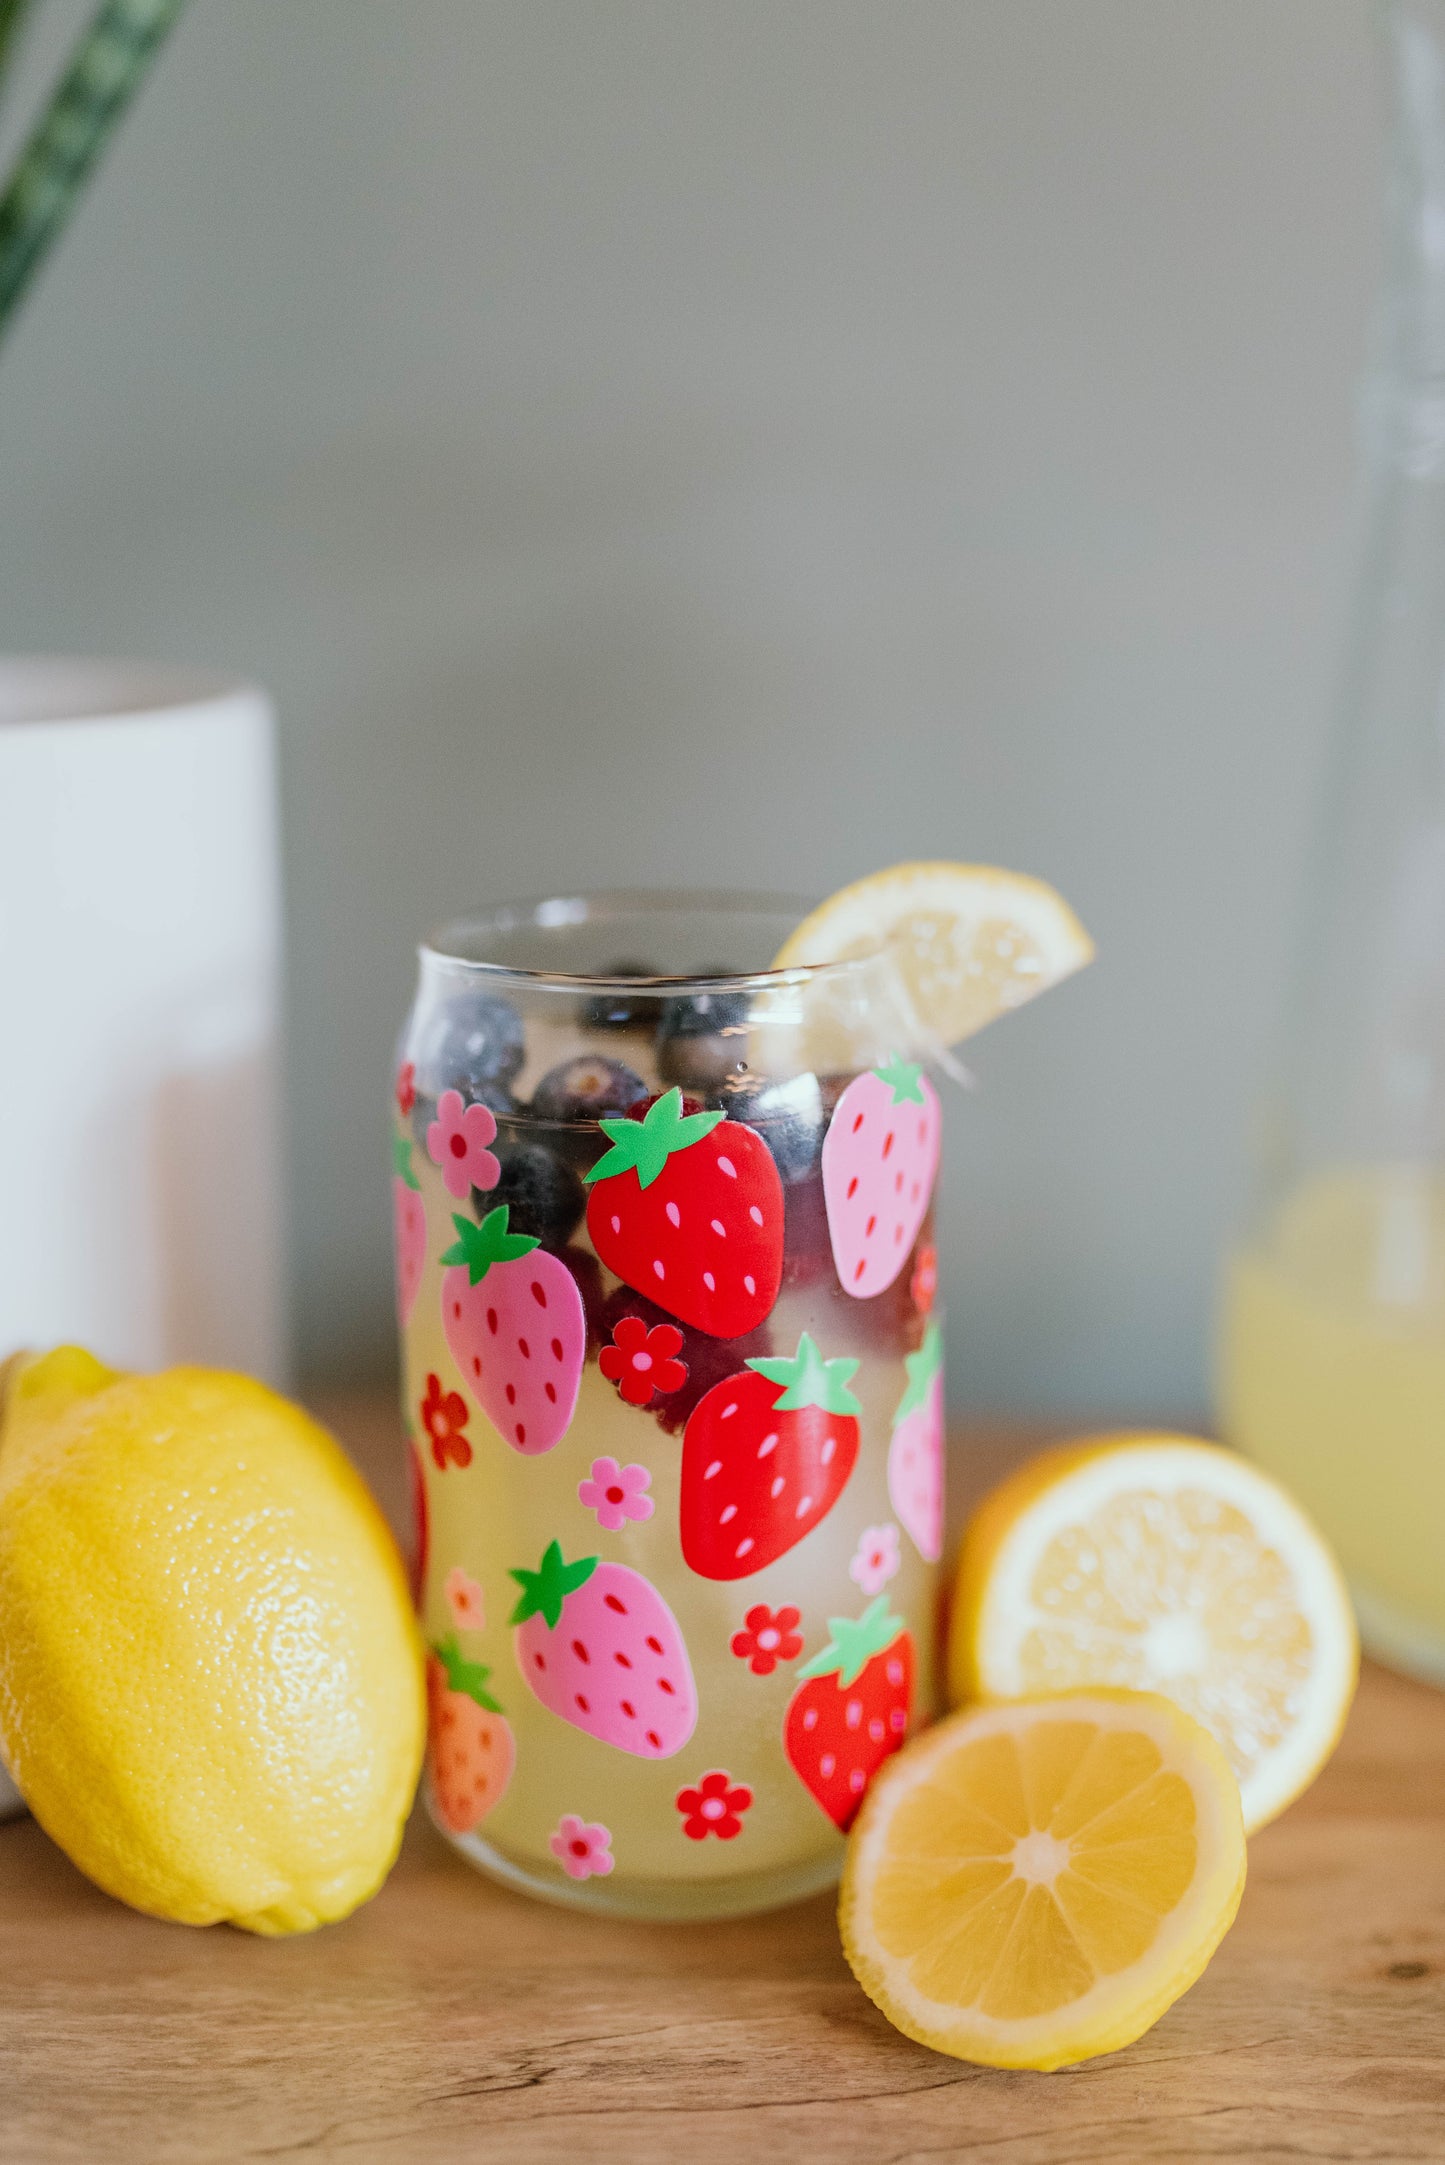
(749, 444)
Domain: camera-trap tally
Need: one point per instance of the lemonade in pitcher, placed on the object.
(1333, 1377)
(673, 1375)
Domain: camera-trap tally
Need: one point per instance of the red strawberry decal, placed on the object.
(765, 1456)
(688, 1208)
(516, 1328)
(851, 1708)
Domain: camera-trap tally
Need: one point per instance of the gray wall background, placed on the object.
(574, 412)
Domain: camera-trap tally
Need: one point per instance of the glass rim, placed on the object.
(598, 905)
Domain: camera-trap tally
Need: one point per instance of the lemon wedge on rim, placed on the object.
(1163, 1563)
(1032, 1884)
(971, 941)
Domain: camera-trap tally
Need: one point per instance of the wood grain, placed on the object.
(451, 2020)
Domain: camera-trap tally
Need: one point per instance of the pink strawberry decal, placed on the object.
(851, 1708)
(470, 1747)
(915, 1455)
(688, 1208)
(515, 1324)
(880, 1155)
(765, 1456)
(409, 1217)
(600, 1646)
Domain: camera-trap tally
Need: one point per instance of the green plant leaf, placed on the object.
(545, 1590)
(401, 1163)
(854, 1642)
(809, 1380)
(12, 22)
(463, 1675)
(644, 1146)
(480, 1246)
(105, 70)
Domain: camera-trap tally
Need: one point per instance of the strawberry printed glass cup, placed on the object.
(672, 1375)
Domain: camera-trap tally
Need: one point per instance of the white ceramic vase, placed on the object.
(139, 1016)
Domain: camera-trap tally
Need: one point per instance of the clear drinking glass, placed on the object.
(1332, 1369)
(672, 1375)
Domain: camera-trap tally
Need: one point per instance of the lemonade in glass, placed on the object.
(672, 1372)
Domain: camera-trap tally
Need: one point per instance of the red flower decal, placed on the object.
(642, 1361)
(770, 1637)
(444, 1417)
(406, 1088)
(925, 1278)
(714, 1807)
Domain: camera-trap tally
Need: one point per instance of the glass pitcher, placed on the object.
(1332, 1368)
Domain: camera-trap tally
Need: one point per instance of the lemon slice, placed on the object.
(971, 942)
(1032, 1884)
(1165, 1564)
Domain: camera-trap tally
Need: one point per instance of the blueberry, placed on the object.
(495, 1095)
(471, 1041)
(790, 1117)
(544, 1195)
(702, 1037)
(586, 1088)
(616, 1009)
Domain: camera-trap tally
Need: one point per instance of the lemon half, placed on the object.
(1167, 1564)
(1029, 1885)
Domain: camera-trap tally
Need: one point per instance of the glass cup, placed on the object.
(672, 1374)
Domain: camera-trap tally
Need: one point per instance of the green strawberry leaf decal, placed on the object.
(545, 1590)
(810, 1380)
(644, 1146)
(922, 1367)
(905, 1079)
(463, 1675)
(854, 1642)
(480, 1246)
(401, 1161)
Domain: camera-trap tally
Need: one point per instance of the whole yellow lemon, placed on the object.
(211, 1686)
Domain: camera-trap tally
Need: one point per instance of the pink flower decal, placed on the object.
(406, 1088)
(582, 1847)
(444, 1417)
(875, 1560)
(770, 1637)
(715, 1807)
(457, 1141)
(641, 1362)
(464, 1599)
(616, 1493)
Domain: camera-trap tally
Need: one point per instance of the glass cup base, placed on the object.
(1397, 1640)
(655, 1900)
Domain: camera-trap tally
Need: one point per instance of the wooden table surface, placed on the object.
(452, 2020)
